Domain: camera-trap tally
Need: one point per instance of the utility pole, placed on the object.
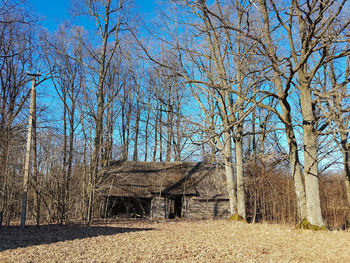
(28, 149)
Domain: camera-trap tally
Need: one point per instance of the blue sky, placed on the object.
(55, 12)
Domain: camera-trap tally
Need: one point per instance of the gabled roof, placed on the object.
(146, 179)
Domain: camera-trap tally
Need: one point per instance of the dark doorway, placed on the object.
(175, 209)
(128, 206)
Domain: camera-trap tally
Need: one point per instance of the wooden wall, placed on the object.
(192, 208)
(158, 208)
(205, 209)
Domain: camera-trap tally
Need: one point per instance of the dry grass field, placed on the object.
(172, 241)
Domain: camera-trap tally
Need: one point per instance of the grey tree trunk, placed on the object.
(240, 180)
(239, 120)
(293, 156)
(297, 175)
(230, 178)
(156, 133)
(137, 129)
(313, 202)
(169, 126)
(146, 131)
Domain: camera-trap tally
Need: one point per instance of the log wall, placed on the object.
(158, 207)
(205, 209)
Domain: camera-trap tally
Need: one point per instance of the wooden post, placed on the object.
(27, 156)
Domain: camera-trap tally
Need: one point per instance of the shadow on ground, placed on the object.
(12, 237)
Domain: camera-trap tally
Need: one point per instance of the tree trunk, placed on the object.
(240, 180)
(4, 178)
(61, 187)
(69, 161)
(313, 202)
(169, 131)
(239, 126)
(137, 129)
(98, 131)
(296, 172)
(346, 159)
(156, 134)
(146, 133)
(230, 178)
(160, 124)
(299, 186)
(35, 169)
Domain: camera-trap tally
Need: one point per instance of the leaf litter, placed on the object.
(169, 241)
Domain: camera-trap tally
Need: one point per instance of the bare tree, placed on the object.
(217, 79)
(333, 100)
(110, 18)
(309, 26)
(16, 58)
(64, 57)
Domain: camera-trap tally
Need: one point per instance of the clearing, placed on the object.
(172, 241)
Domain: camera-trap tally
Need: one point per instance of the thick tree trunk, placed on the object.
(295, 166)
(299, 186)
(240, 181)
(239, 120)
(313, 202)
(230, 178)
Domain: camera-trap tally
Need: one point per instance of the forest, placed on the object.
(257, 87)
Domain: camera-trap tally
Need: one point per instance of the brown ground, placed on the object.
(144, 241)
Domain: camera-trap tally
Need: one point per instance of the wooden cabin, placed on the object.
(163, 190)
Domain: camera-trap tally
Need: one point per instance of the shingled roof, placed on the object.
(146, 179)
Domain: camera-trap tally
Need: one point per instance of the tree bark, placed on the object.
(146, 133)
(230, 177)
(346, 159)
(240, 180)
(35, 169)
(137, 128)
(99, 124)
(313, 202)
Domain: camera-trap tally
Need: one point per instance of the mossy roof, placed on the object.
(146, 179)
